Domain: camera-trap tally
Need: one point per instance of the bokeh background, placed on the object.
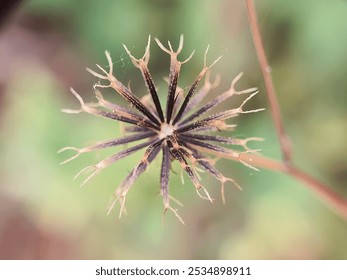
(44, 49)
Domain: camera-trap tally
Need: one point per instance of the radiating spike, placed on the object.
(151, 152)
(193, 88)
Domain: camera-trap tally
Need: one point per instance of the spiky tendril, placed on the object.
(181, 133)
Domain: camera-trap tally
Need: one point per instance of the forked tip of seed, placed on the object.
(74, 92)
(70, 111)
(149, 40)
(180, 45)
(207, 197)
(214, 62)
(235, 80)
(89, 70)
(67, 148)
(126, 49)
(109, 210)
(168, 207)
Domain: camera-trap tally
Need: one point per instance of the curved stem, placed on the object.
(269, 85)
(328, 195)
(286, 166)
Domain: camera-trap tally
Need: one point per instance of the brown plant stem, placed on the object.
(328, 195)
(269, 85)
(324, 192)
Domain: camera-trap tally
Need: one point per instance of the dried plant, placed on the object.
(182, 133)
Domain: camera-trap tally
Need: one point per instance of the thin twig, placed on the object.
(327, 194)
(269, 85)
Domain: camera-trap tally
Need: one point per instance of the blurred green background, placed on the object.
(44, 49)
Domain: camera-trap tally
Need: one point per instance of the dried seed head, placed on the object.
(181, 134)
